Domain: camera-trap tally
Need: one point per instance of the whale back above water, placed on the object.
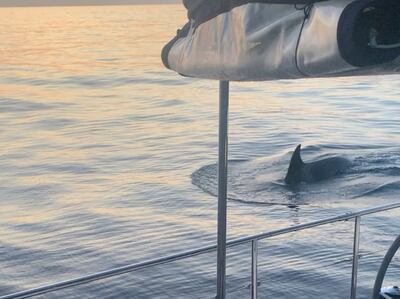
(299, 171)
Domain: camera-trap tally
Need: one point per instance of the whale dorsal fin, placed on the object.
(296, 158)
(294, 170)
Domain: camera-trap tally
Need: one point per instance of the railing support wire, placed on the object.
(356, 246)
(254, 270)
(222, 187)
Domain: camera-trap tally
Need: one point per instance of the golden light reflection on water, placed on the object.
(45, 53)
(78, 39)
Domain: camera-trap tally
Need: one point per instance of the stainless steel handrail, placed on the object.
(253, 239)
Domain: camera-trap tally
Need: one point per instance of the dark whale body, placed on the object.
(315, 171)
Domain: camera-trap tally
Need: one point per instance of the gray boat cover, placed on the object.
(249, 40)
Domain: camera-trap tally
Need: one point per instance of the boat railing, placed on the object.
(253, 240)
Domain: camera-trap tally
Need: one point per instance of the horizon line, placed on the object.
(50, 3)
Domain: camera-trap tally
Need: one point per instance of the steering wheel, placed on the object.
(382, 272)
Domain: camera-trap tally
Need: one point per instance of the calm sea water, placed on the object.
(107, 158)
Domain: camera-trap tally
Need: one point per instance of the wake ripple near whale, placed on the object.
(260, 180)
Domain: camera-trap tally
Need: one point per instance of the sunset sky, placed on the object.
(78, 2)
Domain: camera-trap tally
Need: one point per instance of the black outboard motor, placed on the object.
(369, 32)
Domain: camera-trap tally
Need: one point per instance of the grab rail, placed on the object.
(250, 239)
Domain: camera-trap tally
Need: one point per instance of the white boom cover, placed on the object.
(266, 41)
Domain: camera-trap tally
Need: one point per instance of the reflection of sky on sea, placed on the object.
(99, 144)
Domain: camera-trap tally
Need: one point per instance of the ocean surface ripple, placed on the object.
(108, 159)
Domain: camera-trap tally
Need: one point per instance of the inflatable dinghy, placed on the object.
(250, 40)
